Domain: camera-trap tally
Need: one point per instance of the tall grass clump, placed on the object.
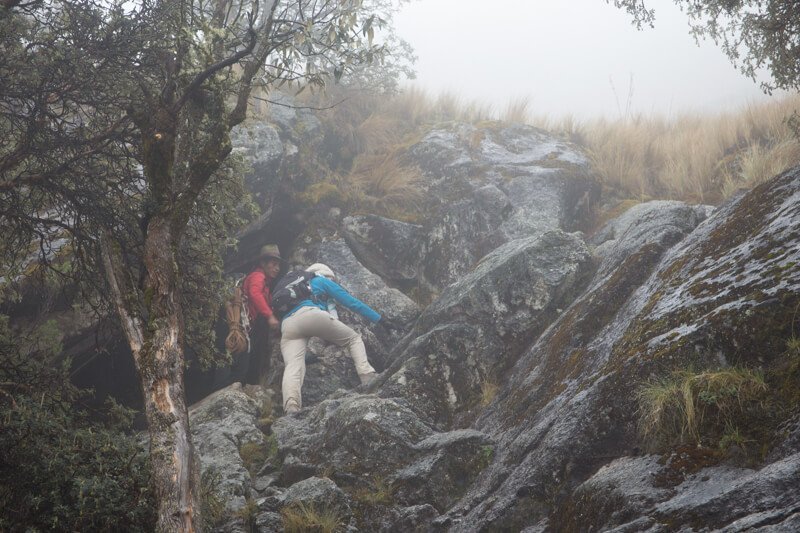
(700, 408)
(517, 111)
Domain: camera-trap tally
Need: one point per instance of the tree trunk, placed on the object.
(158, 353)
(160, 364)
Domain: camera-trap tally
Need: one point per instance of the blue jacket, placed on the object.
(323, 289)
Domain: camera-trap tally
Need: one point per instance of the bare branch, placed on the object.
(207, 73)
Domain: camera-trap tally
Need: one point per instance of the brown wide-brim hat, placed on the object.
(270, 251)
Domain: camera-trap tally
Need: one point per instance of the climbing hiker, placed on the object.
(256, 286)
(310, 317)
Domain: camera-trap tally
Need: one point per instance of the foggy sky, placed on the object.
(565, 55)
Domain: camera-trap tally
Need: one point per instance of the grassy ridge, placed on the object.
(695, 158)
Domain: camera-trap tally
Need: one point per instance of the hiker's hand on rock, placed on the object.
(274, 325)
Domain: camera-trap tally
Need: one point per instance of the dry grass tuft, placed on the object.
(303, 518)
(489, 390)
(380, 492)
(385, 182)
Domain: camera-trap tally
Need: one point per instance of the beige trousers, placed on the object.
(310, 322)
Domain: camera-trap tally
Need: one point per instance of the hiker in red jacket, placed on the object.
(257, 290)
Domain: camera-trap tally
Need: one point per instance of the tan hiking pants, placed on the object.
(310, 322)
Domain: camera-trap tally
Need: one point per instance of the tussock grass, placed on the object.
(517, 111)
(303, 518)
(249, 514)
(699, 407)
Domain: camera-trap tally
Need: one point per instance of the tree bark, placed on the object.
(158, 354)
(160, 365)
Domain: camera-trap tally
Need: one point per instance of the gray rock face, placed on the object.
(459, 237)
(221, 424)
(714, 298)
(473, 332)
(389, 248)
(514, 284)
(625, 495)
(449, 464)
(413, 519)
(564, 338)
(261, 145)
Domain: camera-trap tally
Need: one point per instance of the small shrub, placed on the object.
(60, 468)
(303, 518)
(696, 407)
(213, 504)
(254, 455)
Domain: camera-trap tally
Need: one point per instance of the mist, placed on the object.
(582, 57)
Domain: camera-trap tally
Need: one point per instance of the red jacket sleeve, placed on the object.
(257, 292)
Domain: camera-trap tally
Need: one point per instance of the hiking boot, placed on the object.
(367, 378)
(291, 408)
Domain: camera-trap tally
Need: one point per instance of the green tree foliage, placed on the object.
(58, 469)
(755, 34)
(116, 120)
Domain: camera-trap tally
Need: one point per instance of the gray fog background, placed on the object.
(566, 55)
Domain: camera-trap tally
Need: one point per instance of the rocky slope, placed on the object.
(510, 401)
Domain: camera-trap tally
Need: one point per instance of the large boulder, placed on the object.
(448, 464)
(318, 492)
(662, 222)
(724, 295)
(354, 435)
(223, 424)
(357, 440)
(490, 185)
